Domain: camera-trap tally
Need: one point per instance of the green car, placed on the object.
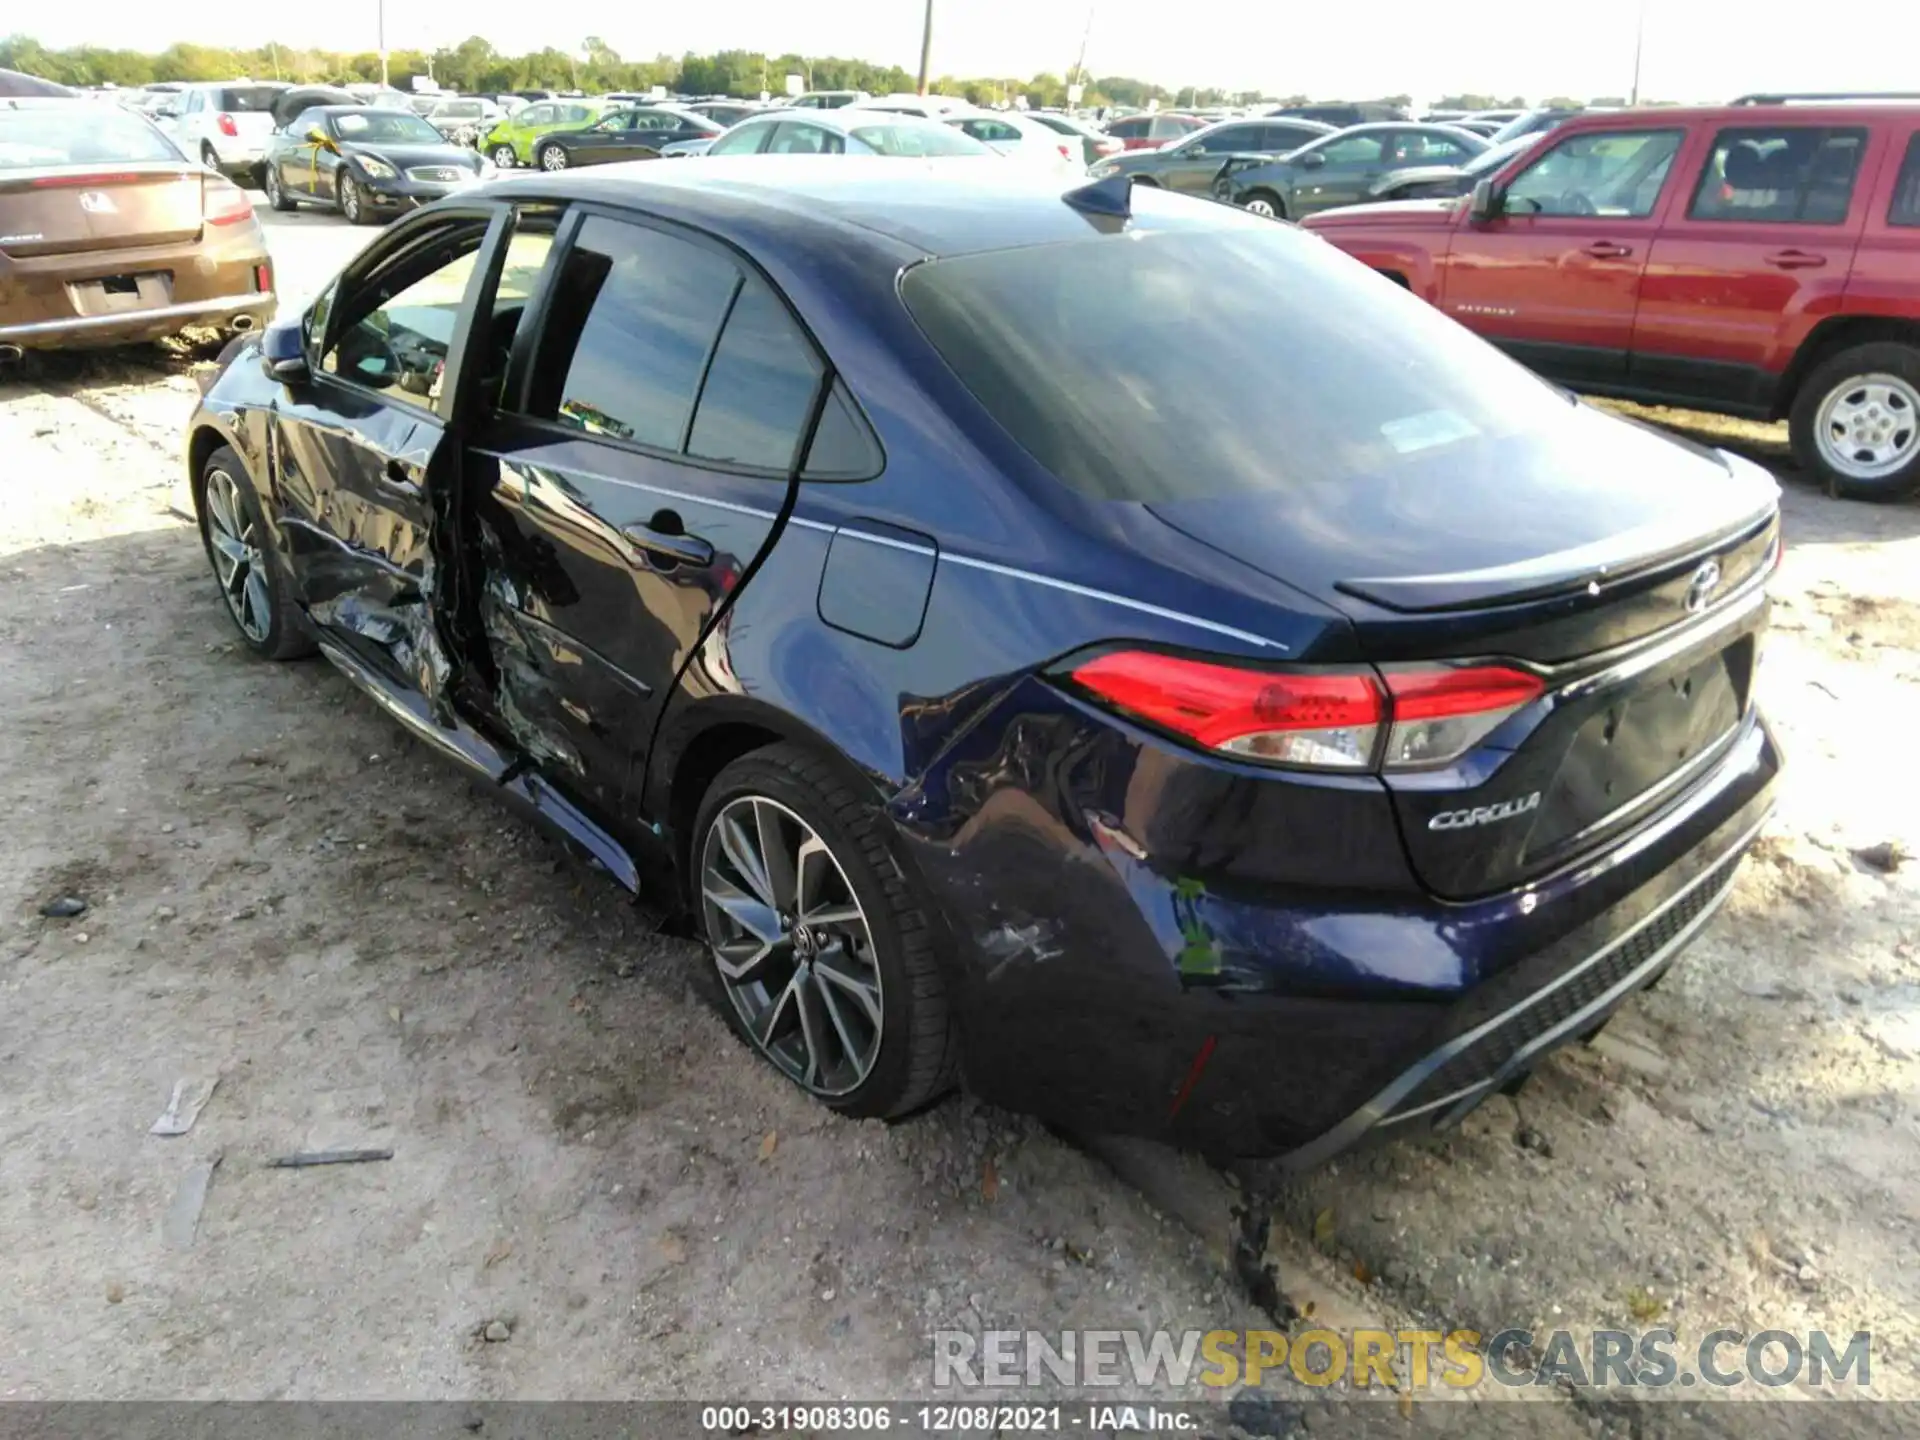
(511, 141)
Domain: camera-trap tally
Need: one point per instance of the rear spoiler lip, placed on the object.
(1618, 557)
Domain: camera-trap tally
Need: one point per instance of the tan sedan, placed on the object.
(109, 235)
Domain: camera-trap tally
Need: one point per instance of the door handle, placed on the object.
(665, 538)
(1795, 260)
(1607, 250)
(400, 476)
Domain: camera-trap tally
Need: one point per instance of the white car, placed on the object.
(462, 118)
(224, 126)
(928, 107)
(1009, 133)
(850, 130)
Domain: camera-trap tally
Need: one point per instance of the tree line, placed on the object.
(475, 66)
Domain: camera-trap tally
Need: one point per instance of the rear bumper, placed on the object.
(128, 325)
(1286, 1017)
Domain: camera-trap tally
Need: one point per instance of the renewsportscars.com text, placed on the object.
(1401, 1359)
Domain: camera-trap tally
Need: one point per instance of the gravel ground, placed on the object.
(288, 893)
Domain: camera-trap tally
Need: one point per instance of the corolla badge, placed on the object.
(1700, 589)
(1484, 814)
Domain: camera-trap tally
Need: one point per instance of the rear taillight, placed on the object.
(223, 203)
(1065, 152)
(224, 123)
(1439, 715)
(263, 279)
(1348, 719)
(1327, 720)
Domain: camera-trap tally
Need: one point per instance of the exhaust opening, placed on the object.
(11, 354)
(243, 323)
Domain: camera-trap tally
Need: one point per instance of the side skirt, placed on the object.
(507, 776)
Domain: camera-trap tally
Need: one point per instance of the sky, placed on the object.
(1703, 50)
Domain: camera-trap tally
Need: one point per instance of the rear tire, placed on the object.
(276, 197)
(503, 156)
(551, 157)
(1856, 421)
(912, 1056)
(210, 159)
(247, 567)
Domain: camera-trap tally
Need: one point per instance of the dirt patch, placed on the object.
(286, 891)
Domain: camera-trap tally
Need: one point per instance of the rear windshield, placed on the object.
(925, 139)
(1180, 364)
(245, 99)
(77, 135)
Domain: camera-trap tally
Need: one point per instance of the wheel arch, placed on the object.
(1829, 338)
(201, 444)
(693, 749)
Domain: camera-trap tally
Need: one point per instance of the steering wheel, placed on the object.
(1576, 202)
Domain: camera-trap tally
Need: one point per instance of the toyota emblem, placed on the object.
(1700, 589)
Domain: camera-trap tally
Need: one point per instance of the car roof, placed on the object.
(1661, 116)
(847, 116)
(894, 208)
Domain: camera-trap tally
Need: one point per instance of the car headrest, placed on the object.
(1747, 169)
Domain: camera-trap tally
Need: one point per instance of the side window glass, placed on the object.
(396, 340)
(759, 388)
(1612, 173)
(1780, 174)
(791, 139)
(742, 141)
(843, 447)
(1354, 150)
(634, 314)
(1905, 209)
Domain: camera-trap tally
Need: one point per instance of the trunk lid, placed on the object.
(1625, 569)
(79, 208)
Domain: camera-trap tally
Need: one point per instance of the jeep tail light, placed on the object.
(224, 122)
(1341, 719)
(223, 203)
(1326, 720)
(1439, 715)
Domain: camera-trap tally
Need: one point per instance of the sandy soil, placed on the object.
(286, 892)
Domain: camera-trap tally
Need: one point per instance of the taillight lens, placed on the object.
(223, 203)
(1439, 715)
(1355, 719)
(1323, 719)
(1065, 153)
(225, 123)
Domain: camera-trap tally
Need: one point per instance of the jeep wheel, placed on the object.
(1856, 421)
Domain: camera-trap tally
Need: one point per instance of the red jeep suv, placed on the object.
(1757, 259)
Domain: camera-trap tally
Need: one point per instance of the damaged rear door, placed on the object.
(363, 447)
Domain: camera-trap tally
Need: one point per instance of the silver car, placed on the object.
(224, 126)
(850, 130)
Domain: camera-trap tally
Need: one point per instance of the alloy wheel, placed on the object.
(1260, 206)
(792, 945)
(272, 183)
(504, 157)
(238, 562)
(553, 158)
(1869, 426)
(350, 198)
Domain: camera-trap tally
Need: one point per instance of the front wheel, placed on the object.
(1264, 202)
(353, 200)
(551, 157)
(503, 156)
(276, 196)
(822, 946)
(1856, 422)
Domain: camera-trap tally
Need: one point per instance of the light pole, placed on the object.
(1639, 43)
(380, 8)
(926, 46)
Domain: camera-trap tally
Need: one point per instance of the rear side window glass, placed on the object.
(1905, 209)
(1251, 359)
(633, 317)
(1791, 174)
(247, 99)
(759, 389)
(744, 141)
(77, 135)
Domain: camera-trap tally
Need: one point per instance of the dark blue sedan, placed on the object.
(1103, 646)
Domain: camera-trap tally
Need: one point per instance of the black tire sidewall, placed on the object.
(357, 211)
(1877, 357)
(770, 773)
(286, 636)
